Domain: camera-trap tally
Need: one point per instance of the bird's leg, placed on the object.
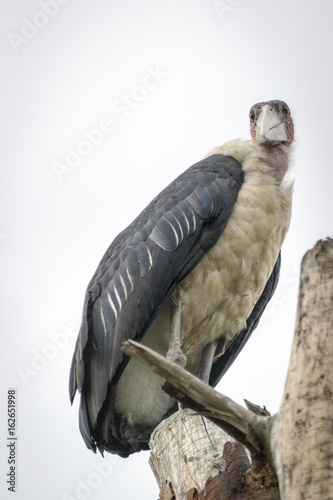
(207, 361)
(175, 353)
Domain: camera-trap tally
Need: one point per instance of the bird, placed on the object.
(190, 277)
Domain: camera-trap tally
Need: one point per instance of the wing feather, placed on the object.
(140, 270)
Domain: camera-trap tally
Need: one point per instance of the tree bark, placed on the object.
(297, 443)
(302, 432)
(195, 447)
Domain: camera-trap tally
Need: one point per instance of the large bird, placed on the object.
(189, 277)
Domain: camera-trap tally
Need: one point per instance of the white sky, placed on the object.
(68, 76)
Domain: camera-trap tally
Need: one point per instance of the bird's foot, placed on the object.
(176, 355)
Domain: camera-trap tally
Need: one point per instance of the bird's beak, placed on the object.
(270, 126)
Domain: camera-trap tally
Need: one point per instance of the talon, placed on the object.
(177, 356)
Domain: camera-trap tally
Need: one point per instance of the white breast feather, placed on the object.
(220, 293)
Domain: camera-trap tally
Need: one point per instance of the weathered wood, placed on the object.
(194, 453)
(239, 480)
(193, 459)
(302, 433)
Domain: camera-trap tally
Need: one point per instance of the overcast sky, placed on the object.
(103, 104)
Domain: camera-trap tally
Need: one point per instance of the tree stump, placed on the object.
(195, 453)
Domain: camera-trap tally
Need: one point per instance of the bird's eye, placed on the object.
(285, 110)
(252, 116)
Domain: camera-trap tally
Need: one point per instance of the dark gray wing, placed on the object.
(141, 269)
(223, 363)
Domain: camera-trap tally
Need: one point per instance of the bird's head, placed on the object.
(271, 123)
